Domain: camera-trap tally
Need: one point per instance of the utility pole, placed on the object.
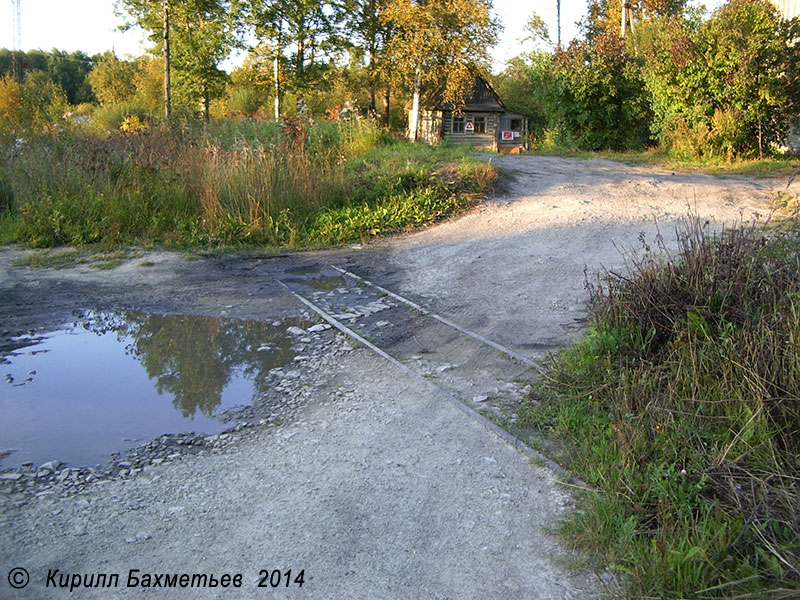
(167, 86)
(558, 22)
(17, 20)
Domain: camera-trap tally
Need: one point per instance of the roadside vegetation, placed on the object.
(699, 88)
(680, 408)
(228, 183)
(775, 166)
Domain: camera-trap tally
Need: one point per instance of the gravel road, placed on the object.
(515, 268)
(376, 487)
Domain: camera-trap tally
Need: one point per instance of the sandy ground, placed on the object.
(378, 488)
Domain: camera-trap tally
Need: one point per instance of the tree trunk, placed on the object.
(372, 111)
(276, 80)
(206, 103)
(167, 85)
(387, 96)
(276, 73)
(558, 22)
(413, 117)
(624, 22)
(301, 57)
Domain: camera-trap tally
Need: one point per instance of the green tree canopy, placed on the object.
(437, 45)
(202, 35)
(599, 99)
(371, 34)
(303, 38)
(68, 70)
(113, 80)
(726, 85)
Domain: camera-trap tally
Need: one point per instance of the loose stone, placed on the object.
(51, 466)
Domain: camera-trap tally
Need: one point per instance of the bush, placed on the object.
(11, 103)
(599, 99)
(111, 117)
(36, 105)
(246, 101)
(685, 141)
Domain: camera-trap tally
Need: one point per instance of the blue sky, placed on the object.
(91, 25)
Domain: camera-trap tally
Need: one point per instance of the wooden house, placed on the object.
(482, 121)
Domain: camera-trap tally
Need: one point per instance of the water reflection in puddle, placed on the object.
(76, 393)
(325, 282)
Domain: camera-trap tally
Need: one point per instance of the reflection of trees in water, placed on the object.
(194, 357)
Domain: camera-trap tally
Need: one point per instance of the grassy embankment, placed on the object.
(773, 166)
(681, 407)
(229, 184)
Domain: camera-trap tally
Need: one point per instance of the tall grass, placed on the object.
(682, 407)
(231, 183)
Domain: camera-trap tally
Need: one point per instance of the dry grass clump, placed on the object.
(684, 406)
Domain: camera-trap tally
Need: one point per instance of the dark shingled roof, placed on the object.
(482, 98)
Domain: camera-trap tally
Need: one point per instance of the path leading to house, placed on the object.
(377, 486)
(515, 268)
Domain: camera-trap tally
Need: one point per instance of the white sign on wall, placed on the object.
(469, 127)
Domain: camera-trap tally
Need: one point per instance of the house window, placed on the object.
(480, 124)
(458, 124)
(516, 124)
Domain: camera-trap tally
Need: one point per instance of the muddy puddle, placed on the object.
(106, 382)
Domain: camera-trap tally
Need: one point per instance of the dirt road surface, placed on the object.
(376, 487)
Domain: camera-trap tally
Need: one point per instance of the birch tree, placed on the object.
(371, 34)
(201, 35)
(268, 18)
(301, 35)
(437, 44)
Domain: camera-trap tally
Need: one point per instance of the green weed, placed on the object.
(52, 259)
(70, 257)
